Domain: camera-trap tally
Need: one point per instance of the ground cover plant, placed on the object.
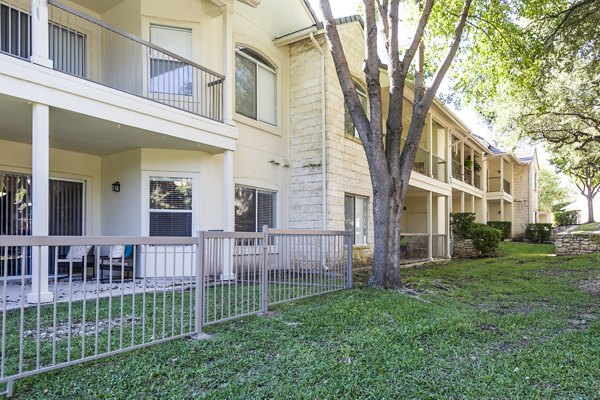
(589, 227)
(524, 325)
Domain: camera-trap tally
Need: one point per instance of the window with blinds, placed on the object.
(170, 202)
(254, 208)
(355, 212)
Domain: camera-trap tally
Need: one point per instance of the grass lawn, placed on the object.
(593, 226)
(524, 325)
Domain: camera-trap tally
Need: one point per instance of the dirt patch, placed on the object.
(591, 285)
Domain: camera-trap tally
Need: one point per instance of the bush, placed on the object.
(538, 233)
(486, 238)
(567, 217)
(462, 225)
(505, 227)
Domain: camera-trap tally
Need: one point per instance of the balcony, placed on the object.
(423, 164)
(457, 170)
(498, 184)
(87, 48)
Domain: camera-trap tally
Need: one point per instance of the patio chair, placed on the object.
(82, 258)
(119, 260)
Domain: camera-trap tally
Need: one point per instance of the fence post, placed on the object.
(200, 270)
(350, 244)
(265, 272)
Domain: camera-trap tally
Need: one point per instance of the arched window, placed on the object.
(349, 128)
(255, 86)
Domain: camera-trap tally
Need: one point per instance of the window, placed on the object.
(255, 87)
(170, 206)
(349, 128)
(254, 208)
(167, 74)
(355, 212)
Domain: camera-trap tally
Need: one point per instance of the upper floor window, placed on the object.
(255, 86)
(349, 128)
(167, 74)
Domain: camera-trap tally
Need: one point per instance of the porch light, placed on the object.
(116, 187)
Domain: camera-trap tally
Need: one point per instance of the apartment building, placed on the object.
(151, 118)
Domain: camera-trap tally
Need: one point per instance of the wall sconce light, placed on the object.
(499, 212)
(116, 187)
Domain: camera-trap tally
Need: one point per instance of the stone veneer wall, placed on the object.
(577, 244)
(306, 208)
(464, 248)
(347, 168)
(523, 199)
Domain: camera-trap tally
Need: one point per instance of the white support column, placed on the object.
(462, 202)
(473, 204)
(501, 209)
(484, 187)
(39, 33)
(448, 155)
(40, 175)
(501, 189)
(473, 167)
(462, 163)
(448, 211)
(228, 213)
(430, 142)
(430, 225)
(228, 64)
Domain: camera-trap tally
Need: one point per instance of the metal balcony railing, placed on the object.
(85, 47)
(468, 176)
(438, 170)
(457, 170)
(506, 186)
(497, 184)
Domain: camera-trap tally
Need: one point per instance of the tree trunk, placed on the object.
(590, 201)
(386, 215)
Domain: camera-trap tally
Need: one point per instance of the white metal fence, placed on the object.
(114, 294)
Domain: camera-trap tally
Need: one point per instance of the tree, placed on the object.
(584, 170)
(389, 167)
(551, 191)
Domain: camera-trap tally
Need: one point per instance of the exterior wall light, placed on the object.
(116, 187)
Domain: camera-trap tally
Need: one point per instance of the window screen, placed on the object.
(355, 216)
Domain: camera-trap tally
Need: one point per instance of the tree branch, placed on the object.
(441, 73)
(412, 49)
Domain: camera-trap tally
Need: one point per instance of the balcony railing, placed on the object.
(497, 184)
(439, 169)
(415, 246)
(85, 47)
(506, 186)
(477, 181)
(457, 170)
(468, 176)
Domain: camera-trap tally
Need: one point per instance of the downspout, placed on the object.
(323, 133)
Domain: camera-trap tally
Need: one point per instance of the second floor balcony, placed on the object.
(498, 184)
(429, 165)
(85, 47)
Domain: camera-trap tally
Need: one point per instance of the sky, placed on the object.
(342, 8)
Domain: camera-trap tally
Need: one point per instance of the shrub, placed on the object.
(505, 227)
(486, 238)
(567, 217)
(462, 225)
(538, 233)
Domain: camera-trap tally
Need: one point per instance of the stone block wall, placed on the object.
(568, 244)
(464, 248)
(347, 168)
(306, 208)
(346, 164)
(522, 211)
